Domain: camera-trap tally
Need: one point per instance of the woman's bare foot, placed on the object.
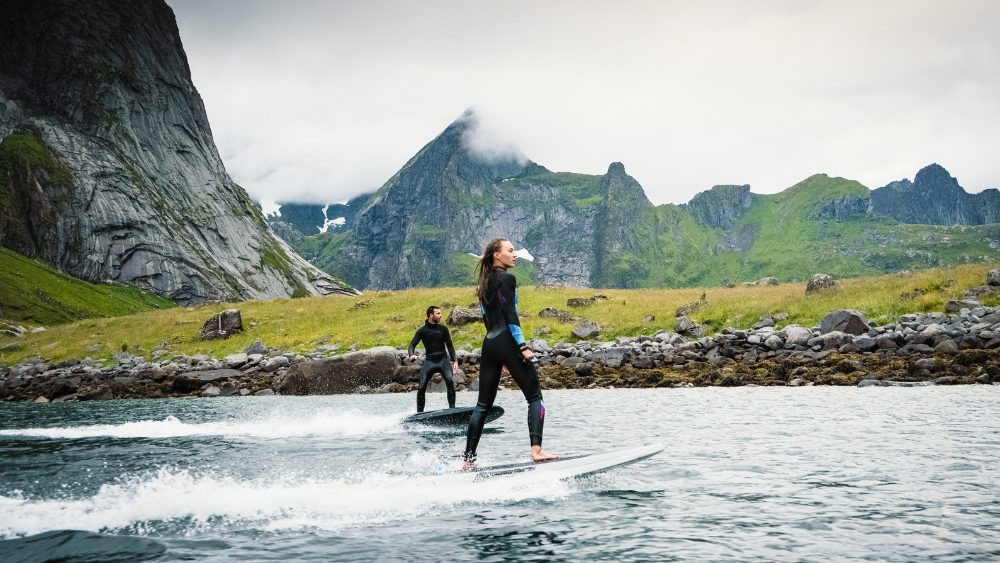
(469, 466)
(538, 454)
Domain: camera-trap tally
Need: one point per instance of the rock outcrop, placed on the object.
(935, 198)
(108, 169)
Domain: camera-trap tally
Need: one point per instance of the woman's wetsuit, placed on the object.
(502, 347)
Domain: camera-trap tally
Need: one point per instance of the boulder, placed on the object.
(549, 313)
(774, 342)
(264, 393)
(223, 325)
(993, 278)
(820, 282)
(955, 306)
(925, 363)
(256, 348)
(768, 281)
(865, 343)
(587, 330)
(211, 391)
(579, 302)
(235, 360)
(101, 393)
(373, 367)
(886, 342)
(850, 321)
(949, 347)
(797, 335)
(462, 316)
(642, 362)
(276, 363)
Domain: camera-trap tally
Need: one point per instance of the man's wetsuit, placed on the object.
(502, 347)
(435, 337)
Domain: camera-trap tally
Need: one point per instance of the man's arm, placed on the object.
(451, 347)
(413, 343)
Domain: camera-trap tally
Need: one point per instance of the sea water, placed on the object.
(748, 474)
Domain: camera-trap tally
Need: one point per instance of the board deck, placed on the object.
(570, 466)
(450, 417)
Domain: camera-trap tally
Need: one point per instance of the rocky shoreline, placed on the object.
(844, 349)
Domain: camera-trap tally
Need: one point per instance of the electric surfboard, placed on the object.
(450, 417)
(570, 466)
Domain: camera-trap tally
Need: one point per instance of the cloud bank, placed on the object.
(318, 101)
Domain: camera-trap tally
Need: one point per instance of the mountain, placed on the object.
(108, 169)
(420, 228)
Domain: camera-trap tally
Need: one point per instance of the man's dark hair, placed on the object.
(431, 310)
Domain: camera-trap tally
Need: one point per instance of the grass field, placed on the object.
(390, 318)
(34, 293)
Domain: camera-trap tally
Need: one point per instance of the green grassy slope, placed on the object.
(34, 293)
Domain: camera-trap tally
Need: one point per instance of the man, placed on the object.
(435, 336)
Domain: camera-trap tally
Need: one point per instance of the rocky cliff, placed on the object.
(108, 169)
(935, 198)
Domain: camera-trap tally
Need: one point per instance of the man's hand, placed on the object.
(413, 357)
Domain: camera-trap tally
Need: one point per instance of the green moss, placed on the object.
(300, 291)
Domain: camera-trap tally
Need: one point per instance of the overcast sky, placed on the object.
(321, 101)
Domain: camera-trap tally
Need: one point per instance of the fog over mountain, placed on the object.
(316, 101)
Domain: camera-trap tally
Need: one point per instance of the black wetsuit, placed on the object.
(435, 337)
(502, 347)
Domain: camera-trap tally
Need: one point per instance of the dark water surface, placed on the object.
(748, 474)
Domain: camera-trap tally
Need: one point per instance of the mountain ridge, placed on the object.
(602, 231)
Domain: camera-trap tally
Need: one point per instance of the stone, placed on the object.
(571, 362)
(586, 330)
(579, 302)
(256, 348)
(946, 380)
(264, 393)
(649, 319)
(873, 383)
(228, 390)
(373, 367)
(462, 316)
(797, 335)
(276, 363)
(685, 310)
(949, 347)
(993, 278)
(541, 330)
(768, 281)
(925, 363)
(100, 393)
(774, 342)
(820, 282)
(211, 391)
(550, 313)
(795, 382)
(955, 306)
(865, 343)
(584, 369)
(933, 329)
(643, 362)
(922, 348)
(765, 321)
(235, 360)
(850, 321)
(222, 325)
(245, 392)
(886, 342)
(41, 400)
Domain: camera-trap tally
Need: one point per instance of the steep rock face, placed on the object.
(935, 198)
(722, 206)
(108, 169)
(616, 240)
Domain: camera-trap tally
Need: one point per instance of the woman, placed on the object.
(503, 346)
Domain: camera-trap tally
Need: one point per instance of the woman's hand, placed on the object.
(528, 354)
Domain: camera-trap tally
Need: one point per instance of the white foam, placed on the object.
(351, 423)
(168, 499)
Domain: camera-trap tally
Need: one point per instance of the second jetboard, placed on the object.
(450, 417)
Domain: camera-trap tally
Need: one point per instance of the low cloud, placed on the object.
(318, 102)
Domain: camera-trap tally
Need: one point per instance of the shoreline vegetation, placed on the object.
(286, 344)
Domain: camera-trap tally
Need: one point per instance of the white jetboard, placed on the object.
(571, 466)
